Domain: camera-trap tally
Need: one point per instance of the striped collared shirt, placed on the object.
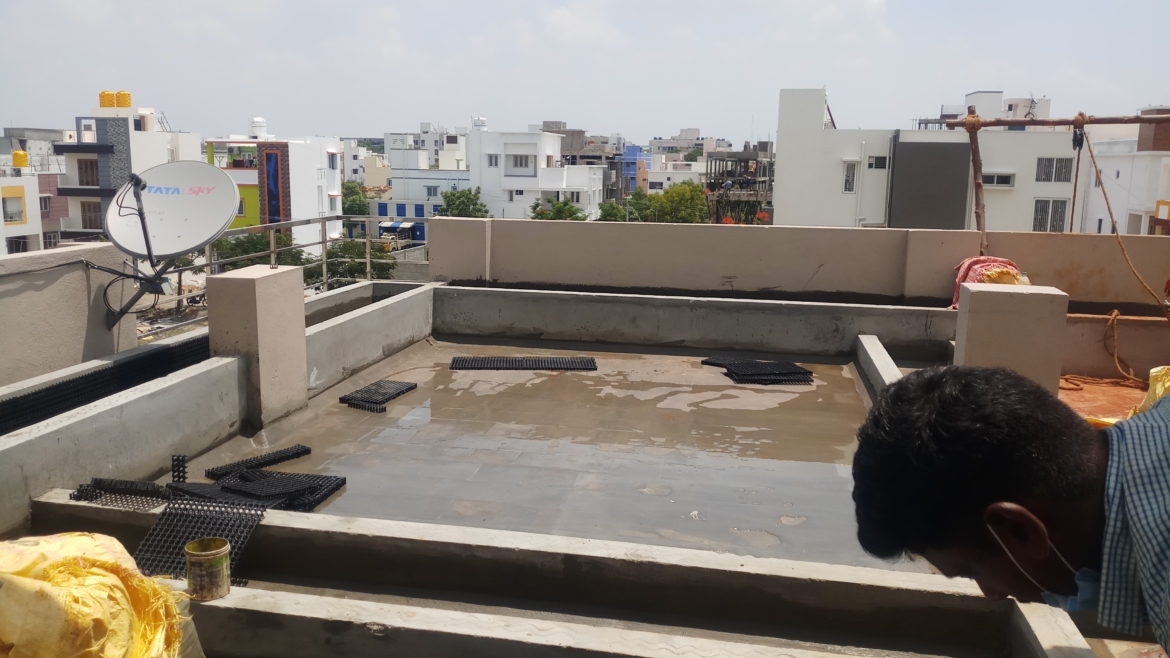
(1135, 563)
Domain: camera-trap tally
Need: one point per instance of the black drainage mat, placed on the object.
(88, 493)
(276, 487)
(267, 459)
(306, 502)
(523, 363)
(130, 488)
(185, 520)
(742, 366)
(791, 380)
(375, 396)
(213, 492)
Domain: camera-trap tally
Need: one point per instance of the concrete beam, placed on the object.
(875, 362)
(875, 607)
(338, 347)
(766, 326)
(129, 435)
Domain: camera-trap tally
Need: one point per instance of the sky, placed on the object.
(642, 68)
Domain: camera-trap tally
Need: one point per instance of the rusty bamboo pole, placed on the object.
(1080, 120)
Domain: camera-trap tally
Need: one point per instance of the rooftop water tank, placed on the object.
(106, 99)
(19, 158)
(259, 127)
(479, 123)
(122, 99)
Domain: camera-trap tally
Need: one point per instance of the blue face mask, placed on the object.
(1088, 583)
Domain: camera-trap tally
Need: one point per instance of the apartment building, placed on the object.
(282, 179)
(442, 148)
(827, 176)
(1135, 173)
(514, 169)
(687, 140)
(106, 146)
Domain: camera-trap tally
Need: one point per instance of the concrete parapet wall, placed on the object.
(875, 362)
(128, 435)
(51, 311)
(1142, 342)
(766, 326)
(345, 344)
(793, 260)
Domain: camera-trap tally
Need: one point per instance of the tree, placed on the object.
(612, 212)
(353, 199)
(464, 203)
(563, 209)
(256, 243)
(180, 262)
(683, 203)
(382, 262)
(693, 154)
(638, 204)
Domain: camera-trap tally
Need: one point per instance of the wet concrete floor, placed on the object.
(653, 447)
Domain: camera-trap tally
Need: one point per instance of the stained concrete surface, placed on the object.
(653, 448)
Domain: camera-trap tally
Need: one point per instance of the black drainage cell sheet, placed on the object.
(277, 487)
(214, 492)
(185, 520)
(327, 485)
(523, 363)
(374, 397)
(267, 459)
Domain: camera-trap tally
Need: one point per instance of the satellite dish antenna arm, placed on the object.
(147, 283)
(137, 184)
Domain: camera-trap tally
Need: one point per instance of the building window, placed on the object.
(45, 204)
(383, 210)
(575, 197)
(332, 204)
(240, 210)
(355, 172)
(91, 215)
(17, 245)
(877, 162)
(435, 209)
(272, 186)
(493, 160)
(511, 193)
(52, 239)
(355, 156)
(400, 209)
(452, 139)
(333, 161)
(1048, 215)
(548, 163)
(1096, 181)
(1100, 221)
(432, 190)
(13, 210)
(849, 185)
(390, 183)
(1054, 170)
(999, 180)
(519, 192)
(436, 153)
(87, 172)
(436, 142)
(520, 161)
(420, 210)
(656, 185)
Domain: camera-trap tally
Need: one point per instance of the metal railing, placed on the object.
(413, 251)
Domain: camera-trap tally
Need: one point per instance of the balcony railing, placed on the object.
(13, 216)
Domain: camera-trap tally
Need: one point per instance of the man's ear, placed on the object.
(1021, 532)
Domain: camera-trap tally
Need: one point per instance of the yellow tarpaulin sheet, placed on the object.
(1159, 387)
(81, 595)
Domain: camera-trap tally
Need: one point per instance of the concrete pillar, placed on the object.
(258, 313)
(1017, 327)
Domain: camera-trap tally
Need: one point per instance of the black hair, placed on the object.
(943, 443)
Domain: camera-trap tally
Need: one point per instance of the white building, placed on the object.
(20, 203)
(685, 141)
(418, 193)
(106, 147)
(354, 157)
(443, 149)
(514, 169)
(917, 178)
(282, 179)
(1135, 172)
(665, 172)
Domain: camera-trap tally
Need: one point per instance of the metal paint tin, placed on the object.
(208, 568)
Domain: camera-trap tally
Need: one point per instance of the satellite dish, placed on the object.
(187, 205)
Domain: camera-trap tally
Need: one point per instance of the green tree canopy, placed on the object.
(353, 199)
(254, 243)
(684, 203)
(464, 203)
(638, 204)
(549, 209)
(693, 154)
(383, 262)
(612, 212)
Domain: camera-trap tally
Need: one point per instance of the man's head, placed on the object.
(954, 461)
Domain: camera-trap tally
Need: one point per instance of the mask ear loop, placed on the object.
(1013, 558)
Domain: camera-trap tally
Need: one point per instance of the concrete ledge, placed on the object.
(875, 362)
(1144, 342)
(328, 305)
(259, 624)
(347, 343)
(767, 326)
(869, 607)
(129, 435)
